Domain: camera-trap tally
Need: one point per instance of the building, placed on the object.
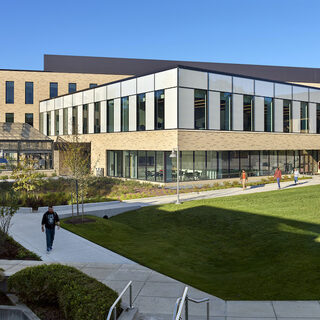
(220, 122)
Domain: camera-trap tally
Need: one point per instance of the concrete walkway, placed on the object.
(154, 293)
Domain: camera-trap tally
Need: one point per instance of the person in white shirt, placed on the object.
(296, 175)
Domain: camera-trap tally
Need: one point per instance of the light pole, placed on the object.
(174, 154)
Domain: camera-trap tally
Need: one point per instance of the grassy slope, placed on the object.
(259, 246)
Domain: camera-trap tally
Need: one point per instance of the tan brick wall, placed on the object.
(41, 84)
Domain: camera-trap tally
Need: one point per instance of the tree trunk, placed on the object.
(77, 195)
(72, 207)
(82, 206)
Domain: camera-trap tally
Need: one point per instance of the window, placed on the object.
(9, 91)
(74, 120)
(318, 118)
(287, 116)
(141, 112)
(65, 121)
(49, 123)
(41, 122)
(268, 115)
(225, 112)
(159, 110)
(72, 87)
(200, 109)
(248, 113)
(110, 116)
(56, 123)
(9, 117)
(53, 89)
(85, 119)
(97, 117)
(29, 93)
(92, 85)
(304, 117)
(28, 118)
(125, 114)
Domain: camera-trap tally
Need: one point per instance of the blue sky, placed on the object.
(270, 32)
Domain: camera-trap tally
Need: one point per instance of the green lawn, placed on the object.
(260, 246)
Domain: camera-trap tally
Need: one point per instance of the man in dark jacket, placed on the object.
(49, 221)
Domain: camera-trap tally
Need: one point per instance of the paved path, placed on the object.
(154, 293)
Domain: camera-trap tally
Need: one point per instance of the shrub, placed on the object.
(4, 177)
(78, 296)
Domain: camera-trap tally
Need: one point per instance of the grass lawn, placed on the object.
(261, 246)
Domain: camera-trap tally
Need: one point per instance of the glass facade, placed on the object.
(29, 93)
(97, 117)
(49, 133)
(56, 122)
(41, 122)
(28, 118)
(110, 116)
(53, 89)
(9, 117)
(72, 87)
(10, 92)
(318, 118)
(268, 115)
(200, 109)
(207, 165)
(304, 117)
(74, 120)
(287, 116)
(248, 113)
(141, 112)
(65, 121)
(225, 111)
(125, 114)
(85, 119)
(159, 110)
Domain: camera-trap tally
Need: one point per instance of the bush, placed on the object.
(78, 296)
(4, 177)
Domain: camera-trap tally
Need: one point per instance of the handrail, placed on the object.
(183, 301)
(114, 306)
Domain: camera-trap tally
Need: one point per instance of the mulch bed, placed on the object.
(47, 312)
(79, 220)
(4, 300)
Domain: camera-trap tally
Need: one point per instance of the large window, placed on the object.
(125, 114)
(72, 87)
(318, 118)
(142, 165)
(200, 109)
(74, 120)
(268, 115)
(225, 111)
(159, 110)
(49, 133)
(41, 122)
(141, 112)
(85, 119)
(223, 158)
(304, 117)
(186, 166)
(151, 165)
(97, 117)
(65, 121)
(9, 91)
(287, 116)
(200, 165)
(56, 123)
(110, 116)
(9, 117)
(28, 118)
(29, 93)
(248, 113)
(53, 89)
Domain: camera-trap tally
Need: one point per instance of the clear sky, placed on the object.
(270, 32)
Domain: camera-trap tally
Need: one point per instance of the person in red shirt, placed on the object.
(244, 179)
(278, 176)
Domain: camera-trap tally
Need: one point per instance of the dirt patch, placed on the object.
(79, 220)
(4, 300)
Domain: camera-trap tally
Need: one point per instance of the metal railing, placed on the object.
(114, 306)
(184, 301)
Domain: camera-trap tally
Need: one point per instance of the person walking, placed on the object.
(296, 175)
(278, 176)
(49, 221)
(243, 179)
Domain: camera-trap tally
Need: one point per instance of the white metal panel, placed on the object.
(296, 107)
(117, 115)
(80, 119)
(166, 79)
(278, 115)
(150, 111)
(53, 122)
(264, 88)
(220, 82)
(145, 84)
(88, 96)
(283, 91)
(186, 108)
(113, 90)
(58, 103)
(77, 99)
(237, 112)
(193, 79)
(314, 95)
(45, 115)
(312, 118)
(50, 105)
(43, 106)
(69, 120)
(67, 100)
(214, 110)
(60, 121)
(100, 94)
(171, 108)
(258, 114)
(91, 118)
(128, 87)
(300, 93)
(103, 116)
(243, 85)
(133, 113)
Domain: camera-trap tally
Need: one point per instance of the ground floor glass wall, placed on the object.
(207, 165)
